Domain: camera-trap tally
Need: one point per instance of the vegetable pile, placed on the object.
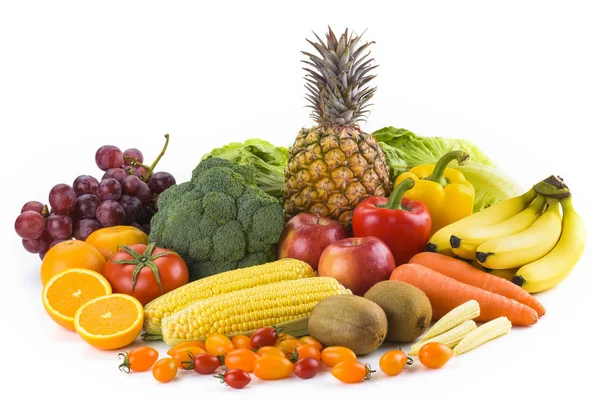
(272, 262)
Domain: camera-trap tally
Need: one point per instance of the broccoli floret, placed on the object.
(219, 220)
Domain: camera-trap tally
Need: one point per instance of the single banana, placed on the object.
(551, 269)
(465, 242)
(440, 241)
(526, 246)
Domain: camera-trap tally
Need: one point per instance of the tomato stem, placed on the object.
(124, 367)
(369, 371)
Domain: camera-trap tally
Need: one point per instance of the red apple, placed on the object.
(357, 263)
(305, 236)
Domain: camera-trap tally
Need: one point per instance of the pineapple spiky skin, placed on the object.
(333, 166)
(331, 170)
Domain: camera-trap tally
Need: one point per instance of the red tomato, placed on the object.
(235, 378)
(263, 337)
(160, 271)
(306, 368)
(206, 364)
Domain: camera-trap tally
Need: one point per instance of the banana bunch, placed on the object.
(526, 238)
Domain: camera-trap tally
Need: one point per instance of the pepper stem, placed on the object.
(395, 199)
(438, 172)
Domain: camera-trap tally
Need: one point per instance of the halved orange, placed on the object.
(68, 290)
(110, 322)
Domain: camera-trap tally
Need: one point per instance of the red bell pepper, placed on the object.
(403, 224)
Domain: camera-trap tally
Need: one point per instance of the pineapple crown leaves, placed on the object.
(337, 79)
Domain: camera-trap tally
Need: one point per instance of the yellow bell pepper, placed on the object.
(445, 191)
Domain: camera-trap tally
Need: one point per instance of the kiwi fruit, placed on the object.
(350, 321)
(407, 309)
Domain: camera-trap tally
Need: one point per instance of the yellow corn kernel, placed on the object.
(486, 332)
(230, 281)
(455, 317)
(449, 338)
(286, 303)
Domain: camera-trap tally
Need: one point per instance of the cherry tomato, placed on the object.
(218, 344)
(206, 364)
(270, 351)
(263, 337)
(393, 362)
(272, 367)
(185, 357)
(158, 275)
(241, 342)
(352, 371)
(189, 343)
(241, 359)
(289, 345)
(336, 354)
(435, 355)
(306, 368)
(307, 351)
(235, 378)
(312, 342)
(139, 359)
(164, 370)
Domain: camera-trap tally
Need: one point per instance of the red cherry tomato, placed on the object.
(306, 368)
(263, 337)
(235, 378)
(206, 364)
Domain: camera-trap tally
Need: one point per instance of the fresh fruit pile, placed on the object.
(125, 195)
(344, 242)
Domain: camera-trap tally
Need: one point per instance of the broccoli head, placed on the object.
(219, 220)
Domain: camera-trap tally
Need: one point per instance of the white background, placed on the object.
(520, 79)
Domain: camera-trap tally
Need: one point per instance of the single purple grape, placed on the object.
(62, 198)
(85, 207)
(160, 181)
(38, 245)
(30, 225)
(85, 227)
(130, 184)
(115, 173)
(85, 184)
(108, 157)
(109, 189)
(33, 206)
(110, 213)
(59, 226)
(132, 206)
(133, 154)
(144, 193)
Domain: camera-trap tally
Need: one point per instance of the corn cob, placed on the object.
(454, 318)
(287, 304)
(449, 338)
(230, 281)
(486, 332)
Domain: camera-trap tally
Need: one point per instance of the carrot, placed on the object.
(466, 273)
(446, 293)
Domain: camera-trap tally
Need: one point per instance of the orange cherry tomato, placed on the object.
(139, 359)
(333, 355)
(189, 343)
(185, 357)
(218, 344)
(312, 342)
(352, 371)
(289, 345)
(394, 361)
(270, 351)
(241, 359)
(307, 351)
(241, 342)
(272, 367)
(164, 370)
(435, 355)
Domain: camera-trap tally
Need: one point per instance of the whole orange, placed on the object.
(107, 240)
(71, 254)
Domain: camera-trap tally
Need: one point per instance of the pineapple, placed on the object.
(334, 165)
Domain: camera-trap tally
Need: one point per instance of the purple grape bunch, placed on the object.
(125, 195)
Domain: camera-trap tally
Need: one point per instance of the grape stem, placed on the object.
(162, 153)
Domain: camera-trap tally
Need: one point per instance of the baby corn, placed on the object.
(464, 312)
(450, 338)
(486, 332)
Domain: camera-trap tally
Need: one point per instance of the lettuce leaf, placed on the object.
(266, 161)
(404, 150)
